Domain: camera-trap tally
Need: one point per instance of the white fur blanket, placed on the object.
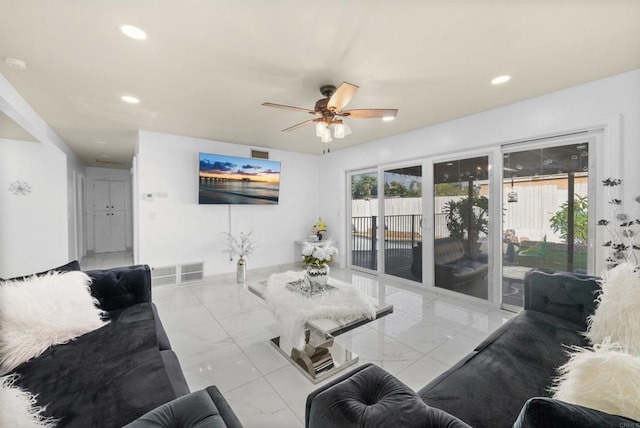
(293, 310)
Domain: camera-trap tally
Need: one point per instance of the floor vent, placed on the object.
(166, 275)
(192, 272)
(174, 275)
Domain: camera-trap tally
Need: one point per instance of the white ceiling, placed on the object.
(207, 65)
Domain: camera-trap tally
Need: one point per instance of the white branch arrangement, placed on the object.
(623, 228)
(240, 246)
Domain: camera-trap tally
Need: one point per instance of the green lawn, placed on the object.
(555, 257)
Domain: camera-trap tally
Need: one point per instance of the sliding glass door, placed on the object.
(403, 222)
(461, 226)
(545, 214)
(364, 220)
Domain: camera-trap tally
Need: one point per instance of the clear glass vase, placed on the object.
(241, 272)
(318, 277)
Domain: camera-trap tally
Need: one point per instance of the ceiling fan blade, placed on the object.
(342, 96)
(301, 124)
(303, 110)
(370, 113)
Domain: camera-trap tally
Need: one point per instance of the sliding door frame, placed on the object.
(605, 131)
(349, 211)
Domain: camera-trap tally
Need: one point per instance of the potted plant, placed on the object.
(465, 222)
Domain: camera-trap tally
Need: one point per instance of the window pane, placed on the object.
(402, 222)
(364, 220)
(545, 221)
(461, 225)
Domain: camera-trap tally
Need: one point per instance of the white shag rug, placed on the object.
(605, 378)
(18, 408)
(293, 310)
(617, 316)
(40, 312)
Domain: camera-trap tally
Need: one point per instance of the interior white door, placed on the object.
(117, 232)
(110, 216)
(102, 226)
(117, 195)
(102, 195)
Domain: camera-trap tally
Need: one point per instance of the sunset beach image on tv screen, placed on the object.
(237, 180)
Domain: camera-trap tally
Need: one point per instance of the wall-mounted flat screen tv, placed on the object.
(236, 180)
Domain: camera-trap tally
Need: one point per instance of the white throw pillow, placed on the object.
(617, 316)
(18, 408)
(40, 312)
(605, 378)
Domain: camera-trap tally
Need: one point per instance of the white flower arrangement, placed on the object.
(318, 256)
(239, 245)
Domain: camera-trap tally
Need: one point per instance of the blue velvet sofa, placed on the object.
(124, 373)
(503, 382)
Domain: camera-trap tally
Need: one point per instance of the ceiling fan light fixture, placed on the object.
(320, 127)
(326, 135)
(339, 130)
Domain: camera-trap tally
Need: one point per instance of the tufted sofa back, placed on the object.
(120, 287)
(561, 294)
(448, 251)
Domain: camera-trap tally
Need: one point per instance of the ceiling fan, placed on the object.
(328, 112)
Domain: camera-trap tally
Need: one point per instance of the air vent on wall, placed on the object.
(174, 275)
(259, 154)
(192, 272)
(110, 162)
(167, 275)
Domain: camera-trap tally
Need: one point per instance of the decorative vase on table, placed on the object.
(318, 277)
(241, 274)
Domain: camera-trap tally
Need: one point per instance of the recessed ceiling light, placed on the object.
(500, 79)
(129, 99)
(133, 32)
(388, 118)
(15, 63)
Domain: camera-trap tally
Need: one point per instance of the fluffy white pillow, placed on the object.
(18, 408)
(40, 312)
(617, 316)
(605, 378)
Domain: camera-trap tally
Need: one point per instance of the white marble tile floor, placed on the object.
(220, 332)
(106, 260)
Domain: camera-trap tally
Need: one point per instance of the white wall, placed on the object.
(33, 227)
(612, 103)
(75, 170)
(17, 108)
(94, 174)
(175, 229)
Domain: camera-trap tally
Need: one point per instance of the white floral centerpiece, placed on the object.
(241, 246)
(317, 259)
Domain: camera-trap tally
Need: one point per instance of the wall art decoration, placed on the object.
(21, 188)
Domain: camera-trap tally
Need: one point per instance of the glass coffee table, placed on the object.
(310, 323)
